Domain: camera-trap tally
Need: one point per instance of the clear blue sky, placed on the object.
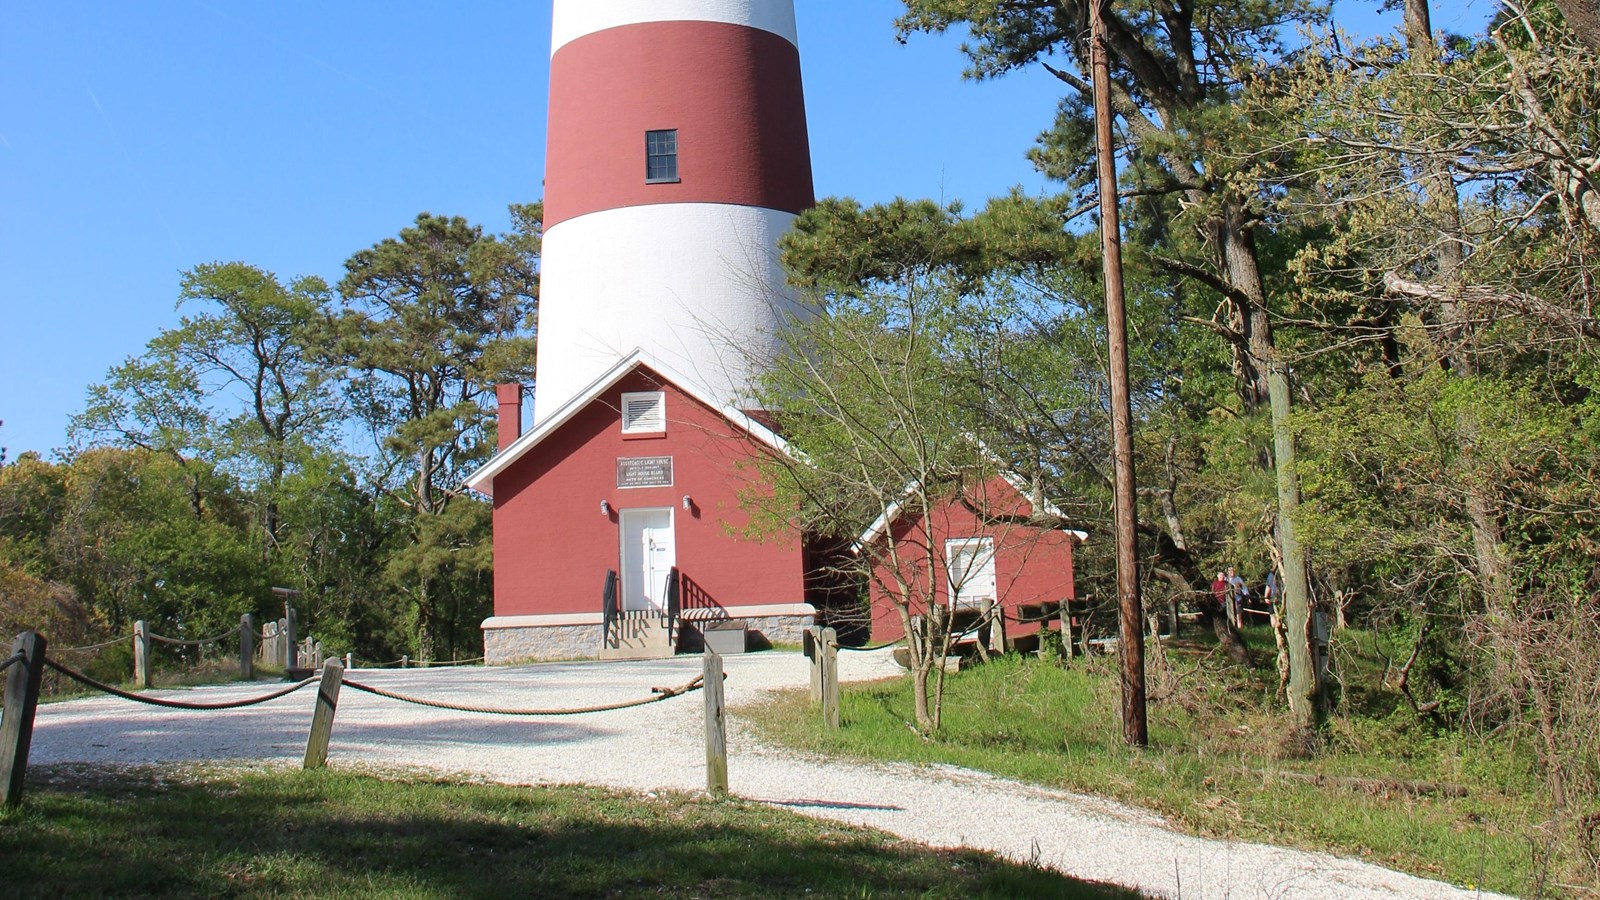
(140, 139)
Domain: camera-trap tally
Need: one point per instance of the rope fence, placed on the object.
(660, 694)
(883, 646)
(16, 719)
(172, 704)
(100, 646)
(178, 642)
(406, 662)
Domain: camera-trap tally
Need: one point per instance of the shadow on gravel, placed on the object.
(829, 804)
(174, 832)
(213, 737)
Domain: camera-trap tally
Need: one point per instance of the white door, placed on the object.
(970, 562)
(648, 556)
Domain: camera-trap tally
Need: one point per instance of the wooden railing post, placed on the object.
(1067, 645)
(247, 646)
(716, 727)
(998, 643)
(405, 662)
(830, 677)
(812, 647)
(290, 653)
(322, 717)
(141, 654)
(16, 722)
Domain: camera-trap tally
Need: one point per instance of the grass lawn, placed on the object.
(1214, 765)
(85, 831)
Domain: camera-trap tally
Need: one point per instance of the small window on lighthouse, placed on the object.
(644, 412)
(661, 156)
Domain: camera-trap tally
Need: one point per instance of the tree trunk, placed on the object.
(919, 644)
(1305, 690)
(1583, 17)
(427, 634)
(1242, 269)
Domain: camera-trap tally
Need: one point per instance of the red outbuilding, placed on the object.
(983, 545)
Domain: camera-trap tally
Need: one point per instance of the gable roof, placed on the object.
(880, 525)
(483, 479)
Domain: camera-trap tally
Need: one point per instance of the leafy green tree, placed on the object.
(1176, 67)
(335, 535)
(953, 348)
(430, 322)
(237, 383)
(135, 535)
(864, 393)
(1452, 185)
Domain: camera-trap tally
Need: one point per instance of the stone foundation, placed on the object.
(510, 646)
(780, 629)
(508, 642)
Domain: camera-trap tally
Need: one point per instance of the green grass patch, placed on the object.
(1214, 765)
(196, 832)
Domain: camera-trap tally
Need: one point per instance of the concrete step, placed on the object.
(638, 637)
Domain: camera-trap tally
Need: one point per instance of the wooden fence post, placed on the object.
(247, 647)
(16, 723)
(405, 662)
(349, 661)
(830, 677)
(290, 658)
(141, 654)
(322, 718)
(1067, 644)
(813, 652)
(716, 727)
(997, 630)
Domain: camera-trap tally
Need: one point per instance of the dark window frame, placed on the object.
(661, 156)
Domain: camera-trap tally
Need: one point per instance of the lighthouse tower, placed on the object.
(677, 157)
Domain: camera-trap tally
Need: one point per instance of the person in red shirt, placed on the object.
(1223, 594)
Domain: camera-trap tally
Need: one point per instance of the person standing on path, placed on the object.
(1238, 593)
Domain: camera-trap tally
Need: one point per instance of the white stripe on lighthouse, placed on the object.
(573, 19)
(699, 285)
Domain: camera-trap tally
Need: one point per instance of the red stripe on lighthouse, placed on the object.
(732, 92)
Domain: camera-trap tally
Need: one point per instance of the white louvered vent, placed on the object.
(644, 412)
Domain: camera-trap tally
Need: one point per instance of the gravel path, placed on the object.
(662, 747)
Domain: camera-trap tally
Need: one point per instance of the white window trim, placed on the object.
(652, 425)
(951, 547)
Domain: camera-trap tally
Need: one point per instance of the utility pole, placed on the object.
(1130, 632)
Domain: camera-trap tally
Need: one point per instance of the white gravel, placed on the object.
(662, 747)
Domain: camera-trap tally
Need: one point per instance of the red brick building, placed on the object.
(639, 474)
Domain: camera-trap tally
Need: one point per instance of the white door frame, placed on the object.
(648, 596)
(952, 546)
